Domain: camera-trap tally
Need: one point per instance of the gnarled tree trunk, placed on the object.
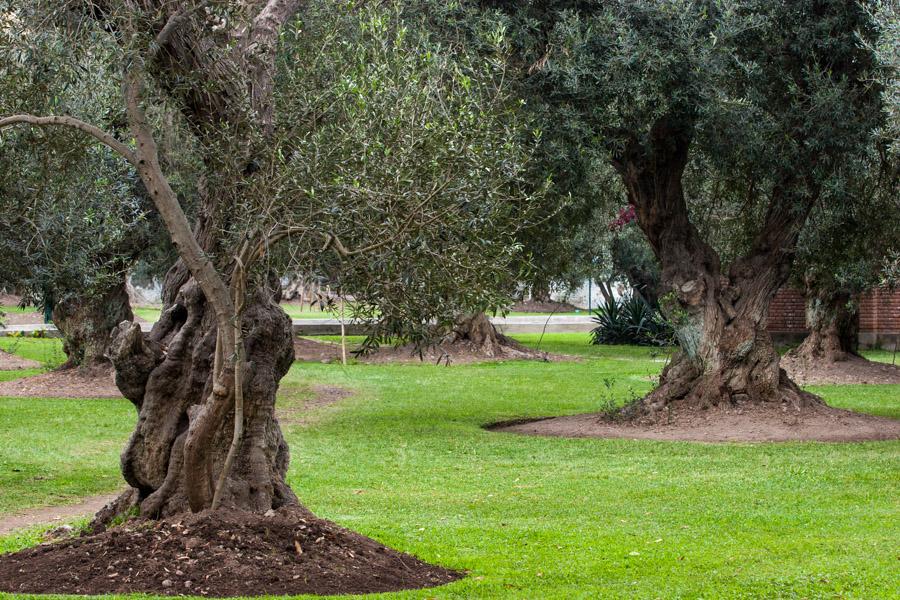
(725, 355)
(87, 323)
(833, 328)
(477, 331)
(171, 460)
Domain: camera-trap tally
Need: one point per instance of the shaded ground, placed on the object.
(222, 554)
(11, 362)
(70, 383)
(52, 514)
(457, 353)
(852, 370)
(758, 423)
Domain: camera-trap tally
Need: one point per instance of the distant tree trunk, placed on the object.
(833, 328)
(477, 331)
(540, 291)
(644, 282)
(726, 354)
(173, 457)
(86, 324)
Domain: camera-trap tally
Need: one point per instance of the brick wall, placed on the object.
(787, 313)
(879, 311)
(879, 317)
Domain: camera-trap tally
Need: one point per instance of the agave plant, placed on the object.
(630, 320)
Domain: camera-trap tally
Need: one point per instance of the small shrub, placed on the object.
(630, 320)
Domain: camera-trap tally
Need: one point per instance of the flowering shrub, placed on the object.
(626, 215)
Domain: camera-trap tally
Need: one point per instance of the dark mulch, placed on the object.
(765, 422)
(221, 554)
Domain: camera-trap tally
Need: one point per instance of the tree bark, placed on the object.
(87, 323)
(540, 291)
(170, 460)
(833, 328)
(726, 354)
(479, 333)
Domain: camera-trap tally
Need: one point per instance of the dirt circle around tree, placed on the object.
(460, 353)
(850, 370)
(755, 424)
(11, 362)
(223, 554)
(95, 382)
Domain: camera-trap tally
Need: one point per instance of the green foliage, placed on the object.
(630, 320)
(400, 141)
(72, 217)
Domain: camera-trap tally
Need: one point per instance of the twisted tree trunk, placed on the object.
(172, 459)
(725, 355)
(87, 323)
(477, 331)
(833, 328)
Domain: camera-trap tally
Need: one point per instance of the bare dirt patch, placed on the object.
(319, 396)
(854, 369)
(28, 318)
(11, 362)
(53, 514)
(221, 554)
(97, 382)
(455, 353)
(756, 423)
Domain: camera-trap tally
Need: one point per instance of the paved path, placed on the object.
(553, 324)
(53, 514)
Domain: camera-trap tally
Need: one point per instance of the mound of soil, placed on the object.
(537, 306)
(223, 554)
(769, 422)
(853, 369)
(97, 382)
(448, 353)
(11, 362)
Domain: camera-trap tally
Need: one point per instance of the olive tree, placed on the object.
(842, 253)
(765, 101)
(332, 129)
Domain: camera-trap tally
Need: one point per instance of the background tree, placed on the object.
(682, 87)
(73, 218)
(842, 255)
(397, 156)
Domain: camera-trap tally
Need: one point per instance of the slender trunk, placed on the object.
(86, 324)
(833, 328)
(168, 375)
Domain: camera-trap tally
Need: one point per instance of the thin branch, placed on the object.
(65, 121)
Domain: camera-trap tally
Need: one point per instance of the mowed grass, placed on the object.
(406, 460)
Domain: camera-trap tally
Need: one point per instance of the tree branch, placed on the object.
(92, 130)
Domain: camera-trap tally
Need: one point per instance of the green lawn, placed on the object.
(406, 461)
(12, 308)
